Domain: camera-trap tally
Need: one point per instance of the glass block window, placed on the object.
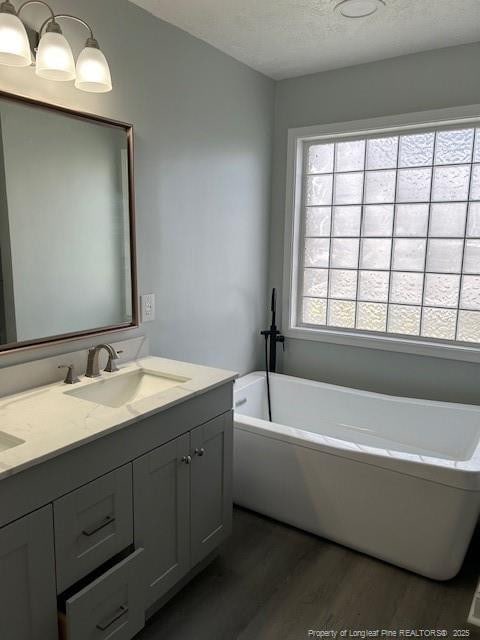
(390, 235)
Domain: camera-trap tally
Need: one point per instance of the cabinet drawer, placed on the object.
(110, 607)
(92, 524)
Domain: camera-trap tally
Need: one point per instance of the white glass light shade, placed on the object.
(93, 72)
(55, 58)
(14, 45)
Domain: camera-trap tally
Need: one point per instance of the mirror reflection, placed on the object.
(65, 254)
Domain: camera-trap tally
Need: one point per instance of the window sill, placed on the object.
(387, 343)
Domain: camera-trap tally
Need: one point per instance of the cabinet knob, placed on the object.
(200, 452)
(186, 459)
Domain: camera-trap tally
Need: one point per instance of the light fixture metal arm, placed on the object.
(54, 17)
(29, 2)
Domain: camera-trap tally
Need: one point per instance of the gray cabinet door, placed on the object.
(211, 485)
(28, 603)
(161, 515)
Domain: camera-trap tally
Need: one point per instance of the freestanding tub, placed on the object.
(396, 478)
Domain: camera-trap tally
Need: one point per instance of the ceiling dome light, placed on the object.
(54, 56)
(93, 72)
(358, 8)
(14, 45)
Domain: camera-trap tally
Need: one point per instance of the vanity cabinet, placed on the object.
(183, 503)
(99, 537)
(27, 583)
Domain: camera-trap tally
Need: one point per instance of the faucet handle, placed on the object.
(71, 377)
(111, 364)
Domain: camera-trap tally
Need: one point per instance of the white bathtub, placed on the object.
(396, 478)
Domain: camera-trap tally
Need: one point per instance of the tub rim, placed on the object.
(460, 474)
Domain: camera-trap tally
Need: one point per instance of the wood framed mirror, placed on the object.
(67, 224)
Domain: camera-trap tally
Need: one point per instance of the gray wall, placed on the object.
(203, 147)
(203, 126)
(431, 80)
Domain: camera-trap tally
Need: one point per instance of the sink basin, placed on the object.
(121, 389)
(8, 442)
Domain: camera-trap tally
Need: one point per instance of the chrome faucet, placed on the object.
(93, 368)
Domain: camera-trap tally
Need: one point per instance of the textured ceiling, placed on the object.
(286, 38)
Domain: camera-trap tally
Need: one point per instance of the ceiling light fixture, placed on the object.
(14, 44)
(54, 57)
(358, 8)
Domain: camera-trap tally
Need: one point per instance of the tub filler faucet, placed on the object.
(272, 338)
(273, 335)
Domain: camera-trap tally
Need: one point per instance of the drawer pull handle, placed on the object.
(200, 452)
(239, 403)
(187, 459)
(103, 626)
(91, 530)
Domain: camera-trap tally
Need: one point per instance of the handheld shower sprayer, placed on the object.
(273, 305)
(272, 337)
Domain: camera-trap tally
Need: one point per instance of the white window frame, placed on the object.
(461, 116)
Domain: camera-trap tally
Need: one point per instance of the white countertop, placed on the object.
(51, 421)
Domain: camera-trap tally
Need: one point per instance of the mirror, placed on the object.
(66, 224)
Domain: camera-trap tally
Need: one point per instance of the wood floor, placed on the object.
(273, 582)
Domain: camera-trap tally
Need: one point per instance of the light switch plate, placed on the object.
(148, 307)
